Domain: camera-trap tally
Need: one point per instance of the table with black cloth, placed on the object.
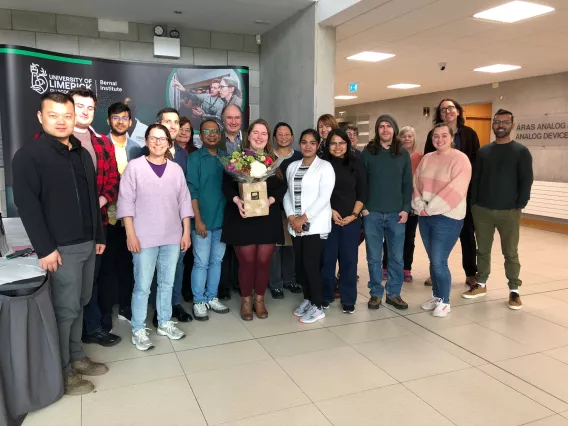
(30, 365)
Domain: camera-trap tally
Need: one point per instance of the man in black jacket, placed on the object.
(467, 141)
(55, 191)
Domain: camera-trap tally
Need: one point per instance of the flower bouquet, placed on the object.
(251, 170)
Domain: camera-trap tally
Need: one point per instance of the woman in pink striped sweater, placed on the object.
(440, 192)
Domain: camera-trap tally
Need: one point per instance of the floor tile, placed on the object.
(138, 370)
(485, 343)
(538, 302)
(300, 342)
(410, 357)
(164, 402)
(470, 397)
(558, 315)
(538, 395)
(484, 310)
(560, 294)
(65, 412)
(334, 372)
(426, 320)
(388, 406)
(221, 356)
(541, 371)
(305, 415)
(550, 421)
(534, 332)
(561, 354)
(369, 331)
(244, 391)
(334, 316)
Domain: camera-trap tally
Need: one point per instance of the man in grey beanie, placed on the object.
(389, 178)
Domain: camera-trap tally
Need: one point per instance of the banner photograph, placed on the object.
(197, 92)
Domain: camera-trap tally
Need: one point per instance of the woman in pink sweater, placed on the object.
(440, 193)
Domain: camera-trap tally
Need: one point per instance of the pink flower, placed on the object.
(268, 161)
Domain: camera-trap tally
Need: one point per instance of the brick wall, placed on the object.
(78, 35)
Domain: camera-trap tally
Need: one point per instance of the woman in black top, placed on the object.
(254, 238)
(347, 200)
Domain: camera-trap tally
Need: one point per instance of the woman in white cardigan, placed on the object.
(308, 208)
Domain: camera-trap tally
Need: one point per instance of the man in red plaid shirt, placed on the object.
(102, 152)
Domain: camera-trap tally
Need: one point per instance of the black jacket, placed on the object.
(46, 194)
(469, 143)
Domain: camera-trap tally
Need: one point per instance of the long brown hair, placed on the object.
(269, 148)
(168, 154)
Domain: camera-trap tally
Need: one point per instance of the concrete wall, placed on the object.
(534, 96)
(80, 36)
(297, 71)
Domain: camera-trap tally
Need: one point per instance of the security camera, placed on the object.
(442, 66)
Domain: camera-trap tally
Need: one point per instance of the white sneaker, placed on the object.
(313, 315)
(169, 329)
(200, 311)
(303, 308)
(442, 310)
(217, 306)
(142, 340)
(431, 304)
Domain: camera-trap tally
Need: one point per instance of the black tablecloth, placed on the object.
(30, 365)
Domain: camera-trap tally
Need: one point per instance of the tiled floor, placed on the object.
(483, 365)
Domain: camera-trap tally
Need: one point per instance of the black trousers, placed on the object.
(116, 276)
(91, 312)
(409, 238)
(229, 270)
(308, 253)
(468, 244)
(188, 267)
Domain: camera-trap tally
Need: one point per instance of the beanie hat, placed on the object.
(389, 119)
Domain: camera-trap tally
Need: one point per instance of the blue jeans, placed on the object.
(208, 253)
(439, 235)
(342, 244)
(165, 259)
(377, 227)
(178, 281)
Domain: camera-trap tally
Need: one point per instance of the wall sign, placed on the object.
(542, 130)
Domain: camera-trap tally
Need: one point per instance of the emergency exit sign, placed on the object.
(353, 87)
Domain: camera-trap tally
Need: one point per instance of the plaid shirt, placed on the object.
(107, 171)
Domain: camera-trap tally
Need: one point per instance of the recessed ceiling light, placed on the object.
(514, 11)
(498, 68)
(370, 56)
(261, 22)
(403, 86)
(345, 98)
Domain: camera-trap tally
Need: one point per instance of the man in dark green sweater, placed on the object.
(389, 178)
(500, 190)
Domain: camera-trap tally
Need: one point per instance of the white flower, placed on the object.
(257, 169)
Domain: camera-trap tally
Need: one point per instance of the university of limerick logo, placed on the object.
(39, 79)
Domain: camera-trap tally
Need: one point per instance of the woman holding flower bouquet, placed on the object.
(254, 238)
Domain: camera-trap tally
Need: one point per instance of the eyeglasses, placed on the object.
(504, 122)
(157, 141)
(351, 134)
(116, 119)
(447, 109)
(221, 86)
(336, 144)
(210, 132)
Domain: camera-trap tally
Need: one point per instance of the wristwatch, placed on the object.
(356, 214)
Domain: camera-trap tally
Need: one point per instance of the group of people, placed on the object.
(139, 222)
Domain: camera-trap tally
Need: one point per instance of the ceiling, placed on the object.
(232, 16)
(423, 33)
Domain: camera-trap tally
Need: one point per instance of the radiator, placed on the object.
(548, 199)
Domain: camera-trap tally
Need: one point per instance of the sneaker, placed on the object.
(142, 340)
(428, 282)
(314, 314)
(397, 302)
(200, 311)
(442, 310)
(348, 309)
(101, 337)
(125, 314)
(179, 312)
(374, 302)
(170, 330)
(86, 367)
(408, 276)
(277, 293)
(217, 306)
(385, 274)
(75, 385)
(325, 305)
(295, 288)
(431, 304)
(515, 301)
(475, 292)
(303, 308)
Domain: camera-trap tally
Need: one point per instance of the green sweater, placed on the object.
(204, 178)
(502, 177)
(389, 179)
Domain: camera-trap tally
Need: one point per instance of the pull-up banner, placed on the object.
(26, 74)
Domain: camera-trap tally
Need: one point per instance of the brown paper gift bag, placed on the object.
(255, 197)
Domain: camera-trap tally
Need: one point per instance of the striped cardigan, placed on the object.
(440, 185)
